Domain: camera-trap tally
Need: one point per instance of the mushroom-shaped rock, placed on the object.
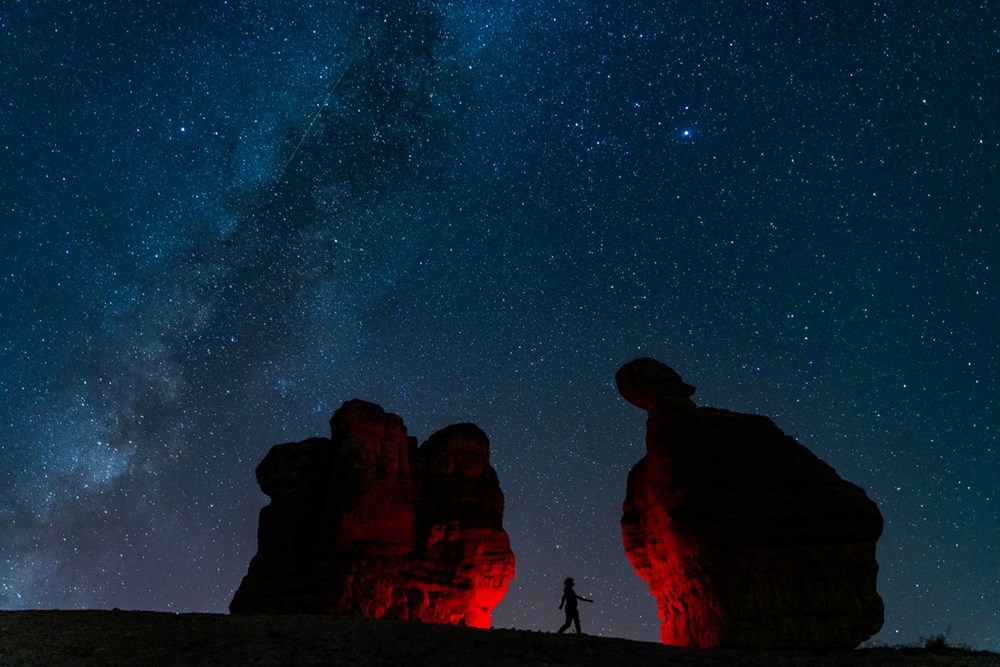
(648, 384)
(365, 523)
(745, 537)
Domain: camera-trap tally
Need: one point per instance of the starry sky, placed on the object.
(220, 220)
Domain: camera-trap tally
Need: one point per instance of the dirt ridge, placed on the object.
(92, 638)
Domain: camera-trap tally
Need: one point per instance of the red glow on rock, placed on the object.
(365, 523)
(745, 538)
(689, 612)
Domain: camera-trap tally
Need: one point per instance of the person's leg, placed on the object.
(565, 626)
(576, 621)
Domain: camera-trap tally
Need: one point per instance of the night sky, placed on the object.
(220, 220)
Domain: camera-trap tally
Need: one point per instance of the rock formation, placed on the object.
(745, 537)
(365, 523)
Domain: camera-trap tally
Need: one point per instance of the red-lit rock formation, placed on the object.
(745, 537)
(366, 523)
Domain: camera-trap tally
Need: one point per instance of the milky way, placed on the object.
(217, 224)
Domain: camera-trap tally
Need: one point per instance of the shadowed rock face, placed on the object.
(745, 537)
(365, 523)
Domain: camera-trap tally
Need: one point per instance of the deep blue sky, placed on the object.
(220, 220)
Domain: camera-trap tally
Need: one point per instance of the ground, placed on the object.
(57, 638)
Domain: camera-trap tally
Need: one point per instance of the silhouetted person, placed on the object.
(569, 599)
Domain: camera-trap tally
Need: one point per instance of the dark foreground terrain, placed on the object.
(153, 638)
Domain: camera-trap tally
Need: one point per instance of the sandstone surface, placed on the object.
(366, 523)
(744, 536)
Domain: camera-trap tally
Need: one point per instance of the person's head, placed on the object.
(568, 583)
